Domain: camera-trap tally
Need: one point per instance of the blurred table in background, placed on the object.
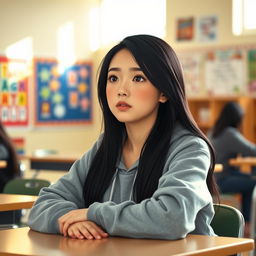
(55, 162)
(244, 163)
(9, 202)
(218, 168)
(3, 163)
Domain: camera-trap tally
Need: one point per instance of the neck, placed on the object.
(137, 135)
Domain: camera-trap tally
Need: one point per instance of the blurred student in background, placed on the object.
(229, 143)
(12, 170)
(7, 153)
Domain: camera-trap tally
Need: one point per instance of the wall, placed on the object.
(196, 8)
(41, 20)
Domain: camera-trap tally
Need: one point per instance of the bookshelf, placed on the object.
(205, 111)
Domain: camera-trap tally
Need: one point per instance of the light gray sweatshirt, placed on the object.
(181, 204)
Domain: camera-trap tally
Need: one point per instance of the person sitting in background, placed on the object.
(7, 153)
(229, 143)
(12, 170)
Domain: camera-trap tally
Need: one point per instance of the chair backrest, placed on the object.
(253, 215)
(227, 221)
(25, 186)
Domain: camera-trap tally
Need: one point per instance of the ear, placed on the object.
(162, 98)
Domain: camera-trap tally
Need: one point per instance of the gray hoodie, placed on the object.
(181, 204)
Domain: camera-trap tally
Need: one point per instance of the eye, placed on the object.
(139, 78)
(112, 79)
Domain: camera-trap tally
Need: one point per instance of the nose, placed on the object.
(122, 89)
(120, 93)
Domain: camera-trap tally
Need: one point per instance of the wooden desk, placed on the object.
(218, 168)
(9, 202)
(245, 163)
(3, 163)
(50, 162)
(23, 241)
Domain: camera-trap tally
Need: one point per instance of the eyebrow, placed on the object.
(119, 69)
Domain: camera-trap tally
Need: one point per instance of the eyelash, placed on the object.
(140, 77)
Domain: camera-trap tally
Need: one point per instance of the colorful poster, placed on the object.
(225, 72)
(251, 56)
(192, 69)
(185, 29)
(63, 98)
(14, 92)
(207, 29)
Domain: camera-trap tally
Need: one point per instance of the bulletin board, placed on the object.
(63, 97)
(14, 92)
(219, 71)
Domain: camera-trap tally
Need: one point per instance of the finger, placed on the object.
(101, 232)
(62, 221)
(84, 231)
(77, 233)
(93, 230)
(65, 227)
(71, 234)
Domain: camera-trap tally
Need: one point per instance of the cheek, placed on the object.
(109, 93)
(147, 95)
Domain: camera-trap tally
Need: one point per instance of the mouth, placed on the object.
(123, 106)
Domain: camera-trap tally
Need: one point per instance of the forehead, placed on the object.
(123, 58)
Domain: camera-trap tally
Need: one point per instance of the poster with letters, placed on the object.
(14, 103)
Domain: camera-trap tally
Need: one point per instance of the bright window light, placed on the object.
(23, 50)
(94, 26)
(121, 18)
(249, 14)
(243, 16)
(66, 46)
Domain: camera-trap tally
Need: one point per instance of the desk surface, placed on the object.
(245, 163)
(218, 168)
(9, 202)
(3, 163)
(23, 241)
(58, 158)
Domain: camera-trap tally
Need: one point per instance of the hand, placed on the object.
(86, 230)
(71, 217)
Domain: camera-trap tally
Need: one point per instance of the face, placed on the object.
(131, 96)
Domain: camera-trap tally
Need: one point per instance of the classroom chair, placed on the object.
(253, 215)
(228, 221)
(25, 186)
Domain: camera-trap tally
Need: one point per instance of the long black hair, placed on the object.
(230, 116)
(160, 65)
(13, 167)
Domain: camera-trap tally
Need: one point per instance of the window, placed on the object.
(116, 19)
(244, 19)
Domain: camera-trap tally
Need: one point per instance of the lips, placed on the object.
(123, 106)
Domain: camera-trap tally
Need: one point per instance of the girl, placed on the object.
(151, 172)
(229, 143)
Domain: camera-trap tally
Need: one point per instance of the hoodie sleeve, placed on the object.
(240, 143)
(172, 210)
(60, 198)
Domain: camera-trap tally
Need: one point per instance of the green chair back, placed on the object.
(25, 186)
(227, 221)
